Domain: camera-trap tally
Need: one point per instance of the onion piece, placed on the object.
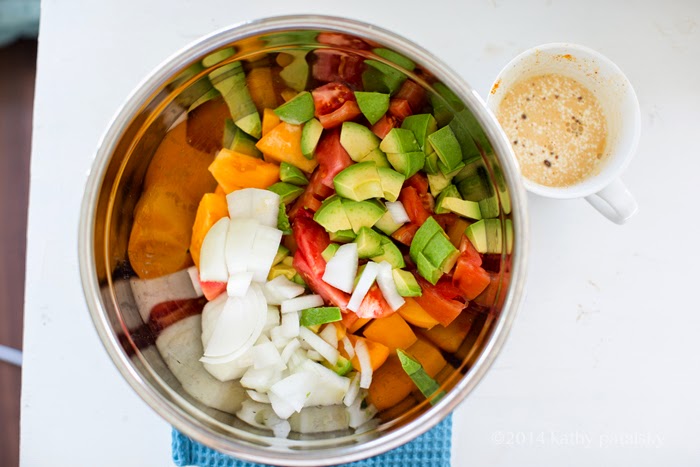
(212, 262)
(289, 350)
(290, 325)
(238, 284)
(353, 391)
(264, 249)
(363, 285)
(349, 349)
(313, 355)
(365, 363)
(282, 408)
(239, 244)
(330, 335)
(194, 278)
(358, 415)
(266, 355)
(342, 268)
(260, 205)
(260, 379)
(301, 303)
(282, 287)
(258, 396)
(273, 318)
(397, 212)
(294, 389)
(210, 315)
(385, 279)
(319, 345)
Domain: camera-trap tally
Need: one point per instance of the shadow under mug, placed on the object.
(603, 190)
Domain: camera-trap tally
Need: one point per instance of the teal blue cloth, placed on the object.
(18, 18)
(431, 449)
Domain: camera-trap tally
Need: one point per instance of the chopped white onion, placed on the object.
(342, 268)
(289, 349)
(294, 389)
(258, 396)
(210, 315)
(282, 287)
(194, 278)
(385, 280)
(282, 408)
(329, 388)
(238, 284)
(348, 347)
(301, 303)
(365, 363)
(290, 325)
(397, 212)
(277, 338)
(212, 262)
(264, 249)
(358, 415)
(261, 205)
(260, 379)
(319, 345)
(363, 285)
(239, 244)
(226, 371)
(353, 391)
(266, 355)
(313, 355)
(330, 335)
(273, 318)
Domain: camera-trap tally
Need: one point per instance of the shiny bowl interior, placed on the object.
(115, 184)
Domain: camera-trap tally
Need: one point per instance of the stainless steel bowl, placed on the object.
(114, 187)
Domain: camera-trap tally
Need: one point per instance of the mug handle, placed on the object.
(614, 202)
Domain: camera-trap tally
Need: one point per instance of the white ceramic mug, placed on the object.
(603, 190)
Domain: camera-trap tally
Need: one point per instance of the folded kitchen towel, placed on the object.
(432, 449)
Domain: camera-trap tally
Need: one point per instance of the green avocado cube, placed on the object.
(342, 367)
(407, 163)
(342, 236)
(291, 174)
(369, 243)
(363, 213)
(287, 191)
(296, 73)
(391, 254)
(406, 283)
(462, 207)
(320, 315)
(487, 235)
(447, 148)
(229, 80)
(428, 270)
(441, 252)
(450, 170)
(437, 183)
(449, 191)
(427, 385)
(357, 140)
(391, 181)
(473, 182)
(431, 164)
(378, 157)
(387, 224)
(330, 251)
(380, 77)
(331, 215)
(282, 252)
(298, 110)
(359, 182)
(394, 57)
(239, 141)
(281, 270)
(310, 135)
(489, 207)
(373, 105)
(423, 235)
(399, 140)
(421, 125)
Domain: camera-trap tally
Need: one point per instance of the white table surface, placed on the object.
(602, 366)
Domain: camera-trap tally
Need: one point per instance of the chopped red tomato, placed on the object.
(443, 309)
(166, 313)
(329, 293)
(348, 111)
(468, 252)
(470, 278)
(405, 233)
(446, 220)
(311, 240)
(400, 108)
(332, 65)
(212, 289)
(332, 157)
(487, 298)
(413, 204)
(384, 126)
(418, 181)
(330, 97)
(314, 193)
(446, 289)
(413, 93)
(374, 305)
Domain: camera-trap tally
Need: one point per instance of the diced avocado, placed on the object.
(369, 243)
(394, 57)
(421, 125)
(359, 182)
(296, 73)
(473, 182)
(391, 254)
(238, 140)
(230, 81)
(378, 157)
(431, 164)
(449, 192)
(437, 183)
(487, 235)
(298, 110)
(423, 235)
(288, 261)
(357, 140)
(427, 385)
(391, 181)
(399, 140)
(462, 207)
(447, 148)
(408, 163)
(386, 224)
(329, 252)
(373, 105)
(428, 270)
(441, 252)
(380, 77)
(446, 170)
(310, 135)
(331, 215)
(342, 236)
(445, 103)
(363, 213)
(489, 207)
(282, 252)
(470, 152)
(283, 221)
(291, 174)
(342, 367)
(297, 279)
(321, 315)
(281, 270)
(287, 191)
(406, 284)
